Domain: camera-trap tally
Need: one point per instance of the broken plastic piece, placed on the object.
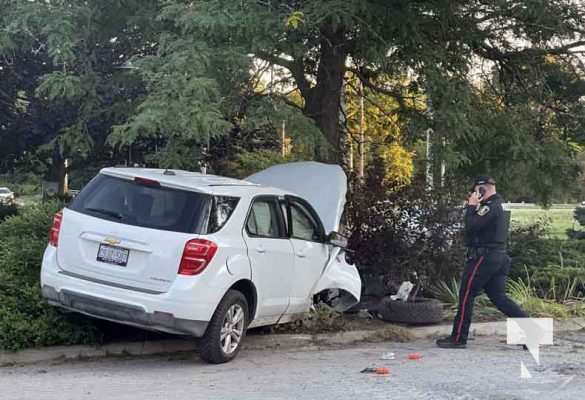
(403, 291)
(378, 371)
(388, 356)
(415, 356)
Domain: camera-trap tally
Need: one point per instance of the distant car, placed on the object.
(201, 255)
(6, 196)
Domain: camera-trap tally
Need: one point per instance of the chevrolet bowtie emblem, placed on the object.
(111, 240)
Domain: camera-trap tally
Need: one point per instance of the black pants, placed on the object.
(488, 272)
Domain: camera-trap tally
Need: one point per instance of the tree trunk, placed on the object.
(59, 170)
(60, 176)
(323, 101)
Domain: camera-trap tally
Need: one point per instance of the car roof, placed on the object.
(194, 181)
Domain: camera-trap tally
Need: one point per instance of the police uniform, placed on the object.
(487, 265)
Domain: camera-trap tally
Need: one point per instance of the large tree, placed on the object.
(318, 41)
(62, 70)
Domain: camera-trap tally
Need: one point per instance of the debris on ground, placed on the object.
(388, 356)
(415, 356)
(403, 292)
(378, 371)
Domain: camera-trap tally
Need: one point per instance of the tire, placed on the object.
(422, 311)
(212, 346)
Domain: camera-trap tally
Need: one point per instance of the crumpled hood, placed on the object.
(323, 185)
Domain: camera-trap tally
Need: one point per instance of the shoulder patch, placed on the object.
(483, 210)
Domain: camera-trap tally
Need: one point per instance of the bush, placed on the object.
(536, 306)
(579, 215)
(551, 264)
(7, 211)
(402, 230)
(25, 318)
(22, 184)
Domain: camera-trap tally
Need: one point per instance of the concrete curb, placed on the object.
(258, 342)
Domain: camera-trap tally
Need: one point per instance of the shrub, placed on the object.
(579, 215)
(525, 294)
(398, 230)
(25, 318)
(552, 264)
(7, 211)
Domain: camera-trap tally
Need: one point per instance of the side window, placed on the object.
(264, 219)
(304, 225)
(221, 211)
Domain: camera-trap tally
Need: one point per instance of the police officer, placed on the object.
(487, 264)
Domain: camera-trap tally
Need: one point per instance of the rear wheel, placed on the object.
(227, 328)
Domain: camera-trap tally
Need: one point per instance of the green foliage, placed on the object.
(524, 293)
(25, 318)
(7, 211)
(579, 215)
(396, 231)
(249, 162)
(448, 293)
(554, 266)
(62, 67)
(60, 86)
(183, 105)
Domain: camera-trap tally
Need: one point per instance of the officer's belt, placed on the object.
(482, 251)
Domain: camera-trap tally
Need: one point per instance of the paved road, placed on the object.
(489, 369)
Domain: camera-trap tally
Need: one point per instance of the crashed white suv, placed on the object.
(201, 255)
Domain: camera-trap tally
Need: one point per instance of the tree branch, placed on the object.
(295, 66)
(281, 97)
(495, 54)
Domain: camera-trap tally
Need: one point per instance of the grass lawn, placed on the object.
(560, 219)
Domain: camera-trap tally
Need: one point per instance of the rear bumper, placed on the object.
(185, 309)
(122, 313)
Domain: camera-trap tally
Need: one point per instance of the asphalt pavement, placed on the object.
(488, 369)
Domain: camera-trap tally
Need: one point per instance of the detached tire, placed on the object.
(226, 330)
(422, 311)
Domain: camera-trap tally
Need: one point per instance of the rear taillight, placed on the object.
(54, 232)
(197, 255)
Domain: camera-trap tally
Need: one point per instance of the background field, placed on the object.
(559, 218)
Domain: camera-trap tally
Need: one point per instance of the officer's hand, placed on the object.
(473, 200)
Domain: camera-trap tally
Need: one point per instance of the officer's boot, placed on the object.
(450, 343)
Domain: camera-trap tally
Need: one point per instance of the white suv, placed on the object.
(201, 255)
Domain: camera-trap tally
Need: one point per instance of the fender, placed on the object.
(239, 266)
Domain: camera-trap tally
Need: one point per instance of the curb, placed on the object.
(260, 342)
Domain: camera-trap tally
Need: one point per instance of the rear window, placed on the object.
(132, 203)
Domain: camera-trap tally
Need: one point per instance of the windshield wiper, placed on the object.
(103, 211)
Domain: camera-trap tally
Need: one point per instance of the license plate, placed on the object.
(113, 255)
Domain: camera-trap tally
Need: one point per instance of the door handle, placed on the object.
(260, 249)
(302, 254)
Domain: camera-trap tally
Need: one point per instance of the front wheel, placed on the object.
(227, 328)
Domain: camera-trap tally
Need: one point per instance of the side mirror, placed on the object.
(337, 239)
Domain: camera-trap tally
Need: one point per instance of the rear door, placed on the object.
(311, 253)
(271, 257)
(129, 232)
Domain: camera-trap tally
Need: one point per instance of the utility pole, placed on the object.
(429, 170)
(361, 148)
(283, 138)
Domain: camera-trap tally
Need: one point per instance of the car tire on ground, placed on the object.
(226, 330)
(421, 311)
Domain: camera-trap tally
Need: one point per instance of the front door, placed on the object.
(311, 252)
(271, 255)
